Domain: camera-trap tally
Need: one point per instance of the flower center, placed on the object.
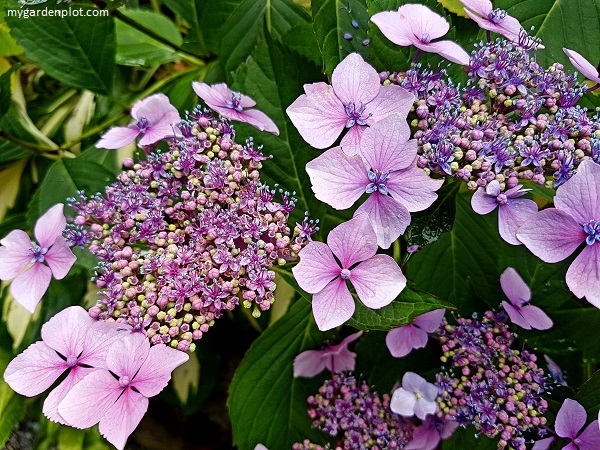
(497, 15)
(71, 360)
(426, 38)
(377, 180)
(234, 103)
(593, 231)
(345, 274)
(124, 381)
(38, 253)
(142, 124)
(355, 114)
(502, 199)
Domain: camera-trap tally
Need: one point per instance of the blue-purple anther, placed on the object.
(593, 231)
(355, 114)
(497, 15)
(142, 124)
(377, 180)
(38, 253)
(235, 102)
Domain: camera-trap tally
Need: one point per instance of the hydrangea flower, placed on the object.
(401, 341)
(428, 435)
(512, 210)
(415, 24)
(584, 66)
(117, 397)
(354, 101)
(385, 169)
(555, 233)
(519, 310)
(571, 418)
(71, 342)
(377, 279)
(415, 397)
(155, 119)
(495, 20)
(22, 260)
(336, 358)
(234, 106)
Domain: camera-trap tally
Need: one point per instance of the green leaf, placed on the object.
(10, 151)
(79, 51)
(8, 46)
(301, 38)
(135, 48)
(193, 12)
(5, 91)
(12, 411)
(588, 395)
(266, 403)
(454, 6)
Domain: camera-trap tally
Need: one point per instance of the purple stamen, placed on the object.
(38, 253)
(124, 381)
(71, 361)
(235, 102)
(142, 124)
(593, 231)
(378, 179)
(345, 274)
(355, 114)
(497, 15)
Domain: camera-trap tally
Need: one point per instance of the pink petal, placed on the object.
(413, 188)
(153, 108)
(481, 7)
(583, 276)
(155, 372)
(543, 444)
(394, 26)
(30, 286)
(378, 281)
(350, 143)
(580, 195)
(537, 318)
(316, 268)
(50, 409)
(260, 120)
(34, 370)
(333, 305)
(430, 321)
(98, 339)
(423, 21)
(385, 145)
(391, 99)
(570, 419)
(118, 137)
(389, 218)
(424, 438)
(401, 341)
(66, 331)
(403, 402)
(14, 254)
(309, 363)
(482, 203)
(318, 115)
(493, 188)
(424, 407)
(354, 80)
(353, 241)
(514, 287)
(447, 49)
(126, 358)
(50, 226)
(60, 258)
(511, 215)
(215, 95)
(123, 417)
(582, 65)
(590, 438)
(413, 382)
(551, 235)
(338, 179)
(515, 316)
(340, 358)
(164, 129)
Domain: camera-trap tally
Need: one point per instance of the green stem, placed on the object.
(396, 250)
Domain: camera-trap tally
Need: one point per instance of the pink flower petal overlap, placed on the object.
(336, 358)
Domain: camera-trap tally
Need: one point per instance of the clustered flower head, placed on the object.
(187, 233)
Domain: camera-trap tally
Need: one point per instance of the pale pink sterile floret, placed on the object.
(416, 397)
(355, 100)
(155, 119)
(24, 261)
(519, 310)
(117, 398)
(428, 435)
(571, 418)
(336, 358)
(583, 65)
(377, 279)
(385, 169)
(555, 233)
(494, 20)
(401, 341)
(71, 341)
(416, 24)
(512, 210)
(234, 105)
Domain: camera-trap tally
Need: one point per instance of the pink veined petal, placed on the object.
(570, 419)
(34, 370)
(126, 358)
(394, 26)
(515, 316)
(333, 305)
(424, 407)
(391, 99)
(355, 80)
(157, 109)
(123, 417)
(424, 438)
(423, 21)
(385, 145)
(50, 409)
(353, 241)
(570, 446)
(413, 382)
(30, 286)
(14, 254)
(429, 392)
(413, 188)
(388, 217)
(118, 137)
(260, 120)
(340, 358)
(543, 444)
(99, 338)
(447, 49)
(401, 341)
(50, 226)
(350, 143)
(515, 289)
(403, 402)
(378, 281)
(165, 128)
(511, 215)
(582, 65)
(536, 317)
(430, 321)
(583, 276)
(318, 115)
(493, 188)
(580, 195)
(66, 331)
(590, 438)
(449, 429)
(481, 7)
(316, 268)
(88, 400)
(215, 95)
(309, 363)
(552, 235)
(60, 258)
(156, 370)
(482, 203)
(338, 179)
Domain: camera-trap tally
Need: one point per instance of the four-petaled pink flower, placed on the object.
(401, 341)
(377, 279)
(415, 24)
(336, 358)
(155, 119)
(428, 435)
(234, 106)
(416, 397)
(386, 169)
(555, 233)
(71, 341)
(584, 66)
(23, 260)
(512, 210)
(519, 310)
(570, 419)
(494, 20)
(354, 101)
(117, 398)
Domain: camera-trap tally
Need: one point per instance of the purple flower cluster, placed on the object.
(186, 234)
(496, 389)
